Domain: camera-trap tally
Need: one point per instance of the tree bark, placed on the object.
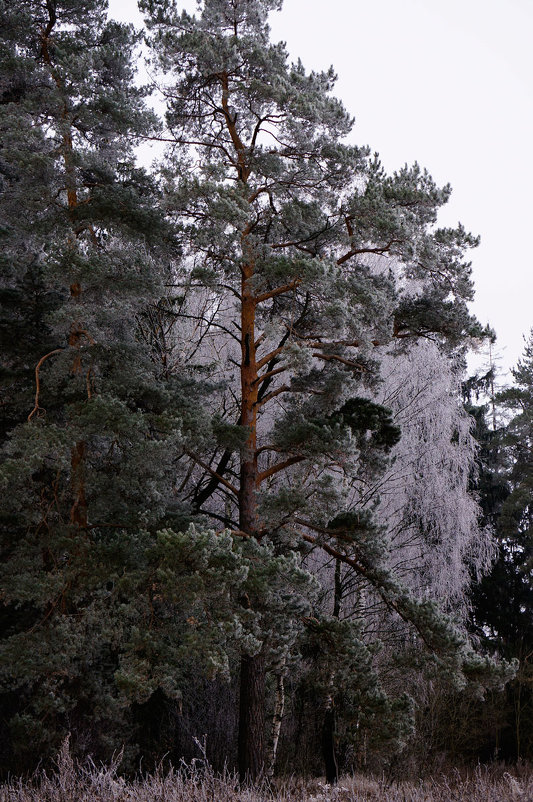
(328, 744)
(249, 390)
(328, 724)
(251, 748)
(252, 718)
(277, 719)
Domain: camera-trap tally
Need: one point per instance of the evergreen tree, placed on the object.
(503, 601)
(282, 224)
(103, 603)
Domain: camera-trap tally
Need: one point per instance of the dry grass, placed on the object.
(197, 783)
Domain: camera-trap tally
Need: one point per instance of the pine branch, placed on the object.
(358, 251)
(278, 291)
(365, 571)
(266, 359)
(336, 358)
(270, 374)
(269, 396)
(280, 466)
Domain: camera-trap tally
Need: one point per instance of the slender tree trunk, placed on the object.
(276, 723)
(328, 724)
(78, 511)
(252, 679)
(248, 486)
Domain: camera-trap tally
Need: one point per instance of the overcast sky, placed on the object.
(447, 83)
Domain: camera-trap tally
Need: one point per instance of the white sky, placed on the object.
(448, 83)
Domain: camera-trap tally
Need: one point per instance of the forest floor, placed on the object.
(90, 783)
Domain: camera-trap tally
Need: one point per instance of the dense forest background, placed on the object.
(248, 492)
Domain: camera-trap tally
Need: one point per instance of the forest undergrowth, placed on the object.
(197, 782)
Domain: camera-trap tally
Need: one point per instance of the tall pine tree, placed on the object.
(281, 226)
(100, 596)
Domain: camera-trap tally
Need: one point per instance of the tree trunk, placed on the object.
(328, 744)
(249, 389)
(252, 718)
(328, 724)
(252, 680)
(78, 511)
(277, 718)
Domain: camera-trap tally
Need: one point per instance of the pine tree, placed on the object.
(95, 581)
(282, 224)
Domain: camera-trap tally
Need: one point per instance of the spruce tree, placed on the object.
(503, 600)
(306, 259)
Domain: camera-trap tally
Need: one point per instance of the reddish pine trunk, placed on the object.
(252, 680)
(247, 499)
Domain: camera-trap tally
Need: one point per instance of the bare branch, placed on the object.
(266, 359)
(210, 470)
(267, 448)
(337, 358)
(36, 409)
(359, 251)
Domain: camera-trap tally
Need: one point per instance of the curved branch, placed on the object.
(278, 291)
(270, 374)
(366, 572)
(36, 409)
(266, 359)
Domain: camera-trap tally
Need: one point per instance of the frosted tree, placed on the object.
(425, 498)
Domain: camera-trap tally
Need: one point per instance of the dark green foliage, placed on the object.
(95, 600)
(503, 601)
(117, 619)
(369, 421)
(339, 678)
